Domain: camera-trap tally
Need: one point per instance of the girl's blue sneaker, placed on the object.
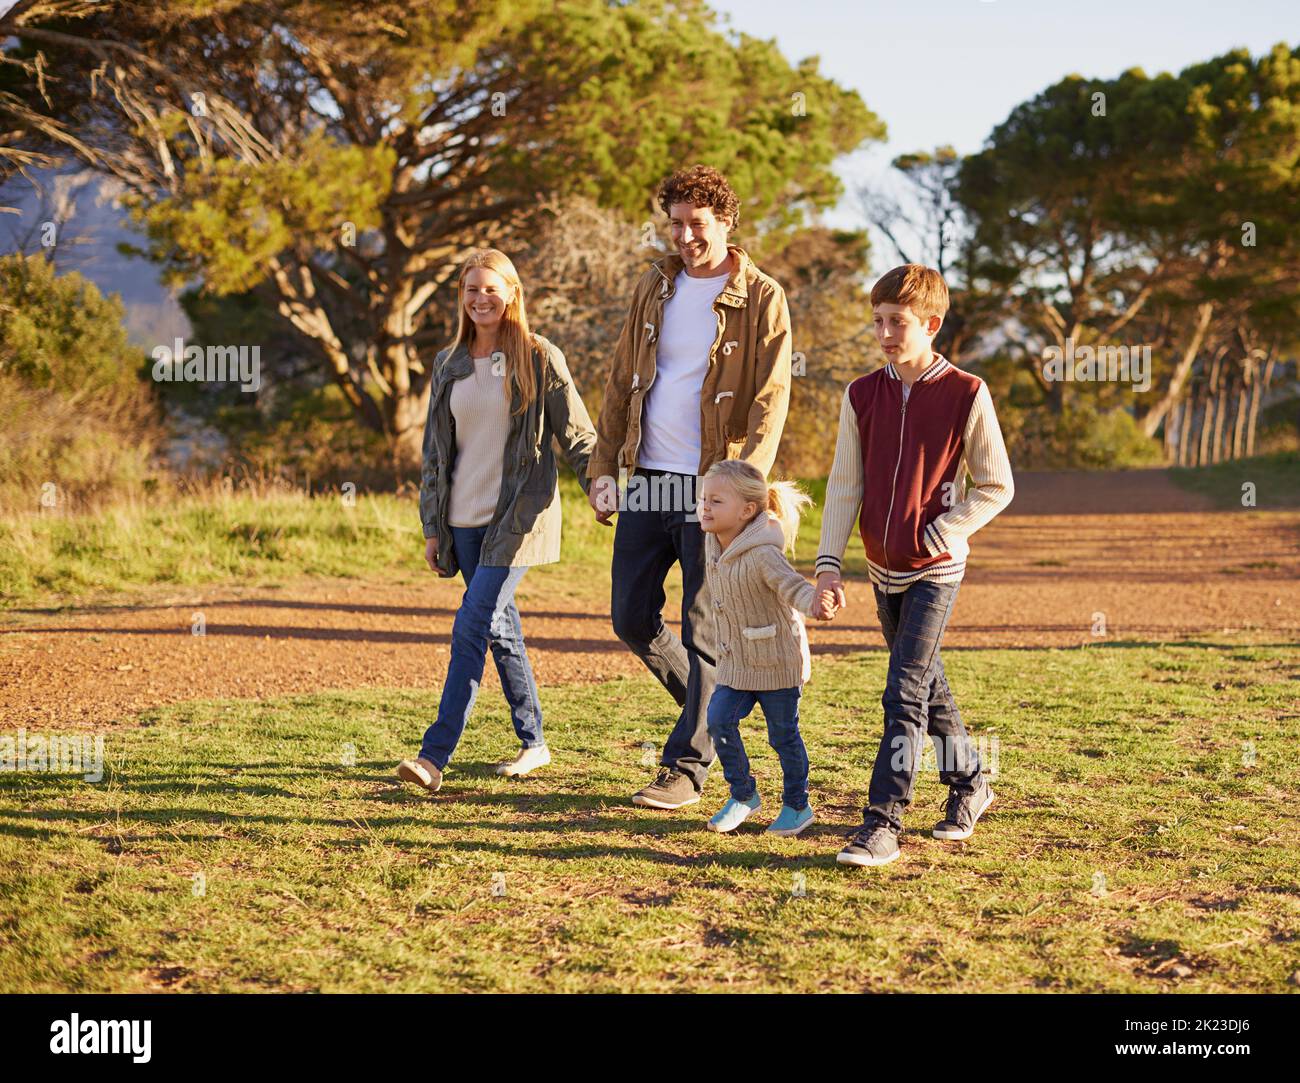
(733, 814)
(791, 822)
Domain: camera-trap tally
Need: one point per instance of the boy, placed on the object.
(908, 435)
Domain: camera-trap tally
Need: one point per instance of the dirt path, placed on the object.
(1149, 558)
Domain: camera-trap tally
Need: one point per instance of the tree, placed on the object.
(339, 156)
(76, 421)
(928, 224)
(1157, 208)
(1050, 199)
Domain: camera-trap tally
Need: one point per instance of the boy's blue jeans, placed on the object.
(487, 618)
(727, 707)
(917, 701)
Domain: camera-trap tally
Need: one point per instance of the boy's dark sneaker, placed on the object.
(875, 843)
(964, 809)
(670, 790)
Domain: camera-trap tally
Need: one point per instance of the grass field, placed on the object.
(215, 537)
(1276, 479)
(266, 536)
(1144, 838)
(257, 538)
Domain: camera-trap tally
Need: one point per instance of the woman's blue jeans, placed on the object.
(487, 618)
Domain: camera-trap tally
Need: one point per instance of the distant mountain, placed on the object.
(88, 227)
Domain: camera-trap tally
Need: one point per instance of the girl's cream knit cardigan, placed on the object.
(760, 602)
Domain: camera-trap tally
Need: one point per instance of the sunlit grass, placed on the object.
(1145, 837)
(269, 536)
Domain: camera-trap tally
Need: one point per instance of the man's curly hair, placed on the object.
(701, 186)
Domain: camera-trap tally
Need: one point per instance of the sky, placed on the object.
(949, 71)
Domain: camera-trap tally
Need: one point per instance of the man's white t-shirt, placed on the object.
(670, 420)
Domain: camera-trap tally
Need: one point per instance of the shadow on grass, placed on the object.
(428, 612)
(119, 837)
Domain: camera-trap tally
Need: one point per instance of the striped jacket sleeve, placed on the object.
(844, 491)
(990, 470)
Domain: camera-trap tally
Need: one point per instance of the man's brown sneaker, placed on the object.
(670, 790)
(421, 772)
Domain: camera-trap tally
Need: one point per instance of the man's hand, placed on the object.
(831, 583)
(602, 495)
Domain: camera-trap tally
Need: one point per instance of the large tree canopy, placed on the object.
(340, 155)
(1157, 210)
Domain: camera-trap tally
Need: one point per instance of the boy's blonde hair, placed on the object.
(920, 288)
(784, 499)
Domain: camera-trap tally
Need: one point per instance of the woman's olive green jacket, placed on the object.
(525, 529)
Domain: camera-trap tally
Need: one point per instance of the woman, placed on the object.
(489, 498)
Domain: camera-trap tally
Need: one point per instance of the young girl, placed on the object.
(500, 397)
(759, 601)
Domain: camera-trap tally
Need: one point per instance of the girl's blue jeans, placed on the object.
(727, 706)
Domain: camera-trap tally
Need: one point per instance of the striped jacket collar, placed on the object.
(938, 367)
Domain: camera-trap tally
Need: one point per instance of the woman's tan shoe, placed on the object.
(421, 772)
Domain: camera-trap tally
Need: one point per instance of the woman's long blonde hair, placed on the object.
(514, 339)
(784, 499)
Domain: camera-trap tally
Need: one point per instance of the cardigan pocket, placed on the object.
(761, 646)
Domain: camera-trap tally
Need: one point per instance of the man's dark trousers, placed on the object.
(647, 542)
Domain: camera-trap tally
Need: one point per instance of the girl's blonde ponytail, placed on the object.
(786, 501)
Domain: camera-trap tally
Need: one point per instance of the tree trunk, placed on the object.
(1207, 414)
(1261, 387)
(1150, 421)
(1184, 430)
(1207, 429)
(407, 430)
(1239, 429)
(1220, 409)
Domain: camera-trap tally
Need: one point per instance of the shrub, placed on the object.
(1080, 437)
(77, 424)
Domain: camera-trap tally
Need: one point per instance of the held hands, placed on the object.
(603, 498)
(830, 596)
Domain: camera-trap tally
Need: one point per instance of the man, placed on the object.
(701, 373)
